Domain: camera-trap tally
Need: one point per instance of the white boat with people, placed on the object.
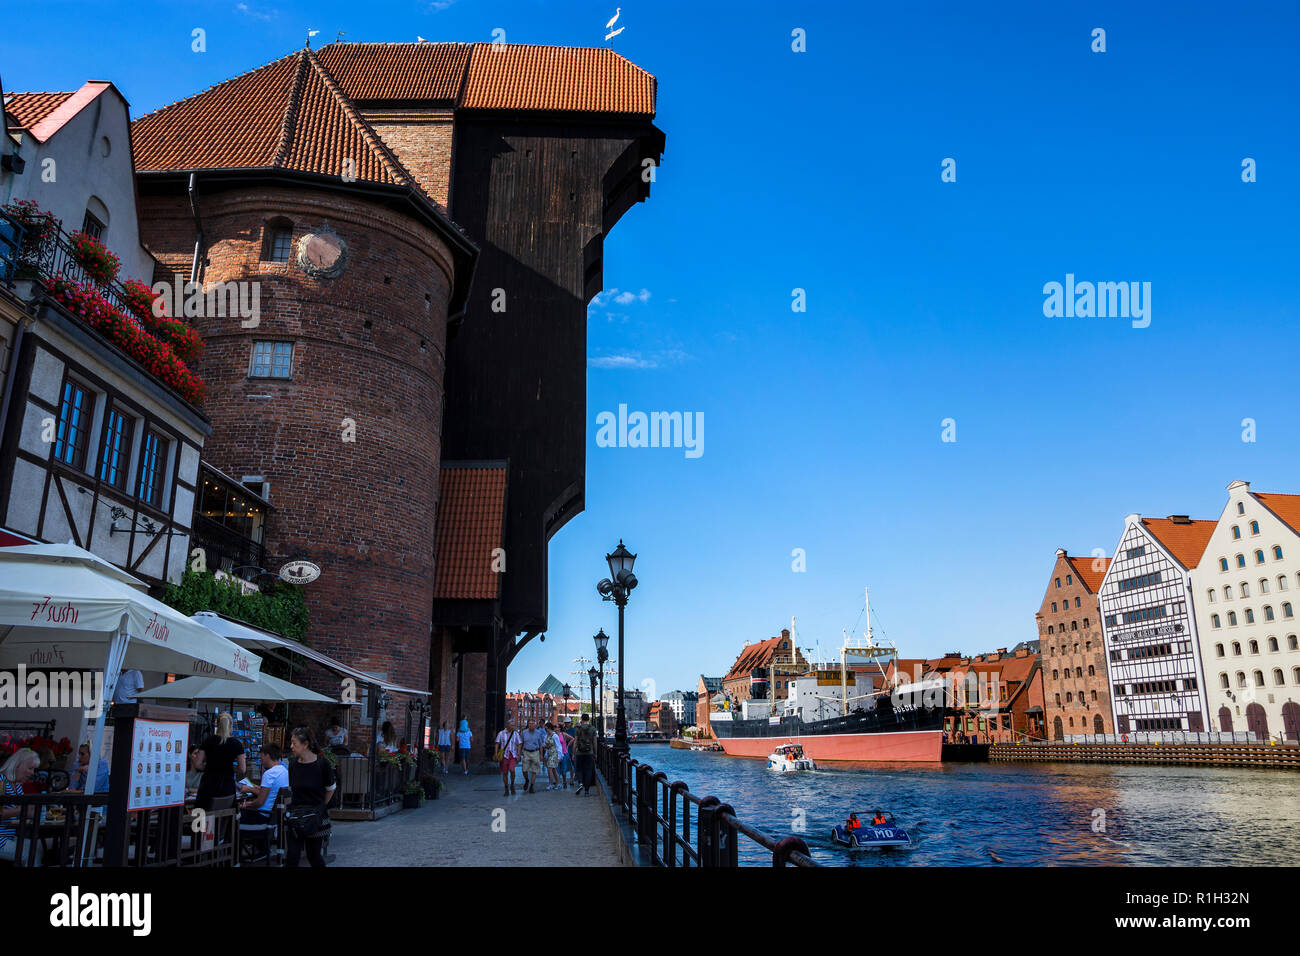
(789, 758)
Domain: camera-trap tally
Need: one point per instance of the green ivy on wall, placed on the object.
(283, 611)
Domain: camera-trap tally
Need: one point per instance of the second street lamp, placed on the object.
(616, 588)
(593, 674)
(602, 655)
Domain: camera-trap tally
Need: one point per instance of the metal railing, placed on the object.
(661, 815)
(1178, 737)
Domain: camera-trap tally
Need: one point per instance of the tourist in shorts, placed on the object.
(464, 738)
(508, 743)
(566, 759)
(534, 739)
(444, 746)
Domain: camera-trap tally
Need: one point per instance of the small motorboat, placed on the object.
(866, 836)
(789, 759)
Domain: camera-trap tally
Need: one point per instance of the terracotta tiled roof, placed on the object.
(398, 71)
(1086, 570)
(755, 655)
(1286, 507)
(1186, 541)
(471, 519)
(523, 77)
(42, 115)
(289, 114)
(28, 109)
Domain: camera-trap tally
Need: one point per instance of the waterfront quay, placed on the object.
(1282, 756)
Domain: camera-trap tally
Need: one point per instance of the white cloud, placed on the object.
(248, 11)
(619, 361)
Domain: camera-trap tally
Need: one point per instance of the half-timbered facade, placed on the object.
(94, 449)
(1149, 625)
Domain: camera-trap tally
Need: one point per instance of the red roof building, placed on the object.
(1076, 687)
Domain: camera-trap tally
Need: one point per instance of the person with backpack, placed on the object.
(507, 755)
(584, 752)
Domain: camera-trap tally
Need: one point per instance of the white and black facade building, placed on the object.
(1149, 626)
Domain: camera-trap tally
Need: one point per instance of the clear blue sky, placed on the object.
(821, 170)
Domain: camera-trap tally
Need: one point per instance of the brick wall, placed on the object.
(1073, 627)
(368, 346)
(423, 142)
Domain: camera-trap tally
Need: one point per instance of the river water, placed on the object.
(979, 814)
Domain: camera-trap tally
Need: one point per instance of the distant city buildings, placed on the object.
(682, 703)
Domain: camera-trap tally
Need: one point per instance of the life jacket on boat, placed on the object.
(878, 821)
(852, 823)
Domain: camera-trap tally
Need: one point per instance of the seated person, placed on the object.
(78, 781)
(853, 822)
(274, 776)
(194, 773)
(878, 820)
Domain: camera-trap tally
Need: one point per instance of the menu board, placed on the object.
(158, 761)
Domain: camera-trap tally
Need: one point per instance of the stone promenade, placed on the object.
(546, 828)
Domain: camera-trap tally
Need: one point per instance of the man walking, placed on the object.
(508, 745)
(533, 741)
(584, 751)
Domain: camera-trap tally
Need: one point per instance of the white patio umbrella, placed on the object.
(63, 607)
(265, 688)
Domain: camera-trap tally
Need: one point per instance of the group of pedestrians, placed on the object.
(567, 752)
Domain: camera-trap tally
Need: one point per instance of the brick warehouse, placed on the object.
(1075, 682)
(362, 186)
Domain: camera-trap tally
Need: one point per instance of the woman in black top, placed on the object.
(222, 752)
(311, 784)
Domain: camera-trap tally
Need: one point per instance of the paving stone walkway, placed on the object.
(546, 828)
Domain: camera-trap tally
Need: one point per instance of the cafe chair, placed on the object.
(268, 838)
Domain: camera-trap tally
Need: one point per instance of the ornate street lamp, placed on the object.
(602, 655)
(620, 583)
(567, 691)
(593, 674)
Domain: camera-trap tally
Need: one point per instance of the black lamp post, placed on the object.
(593, 674)
(602, 655)
(567, 691)
(620, 583)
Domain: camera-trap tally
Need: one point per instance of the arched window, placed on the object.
(1236, 648)
(1223, 564)
(1227, 592)
(1286, 609)
(1232, 619)
(1074, 626)
(1277, 552)
(1250, 616)
(1241, 678)
(1263, 585)
(1051, 629)
(1245, 589)
(1212, 595)
(1292, 643)
(1254, 527)
(1268, 612)
(1259, 678)
(1254, 647)
(277, 240)
(1218, 650)
(1278, 677)
(1259, 557)
(1236, 532)
(1241, 507)
(1085, 622)
(1092, 672)
(1241, 560)
(1224, 682)
(1214, 620)
(1056, 675)
(1076, 647)
(1295, 675)
(1281, 581)
(1094, 695)
(1078, 672)
(1069, 697)
(1272, 644)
